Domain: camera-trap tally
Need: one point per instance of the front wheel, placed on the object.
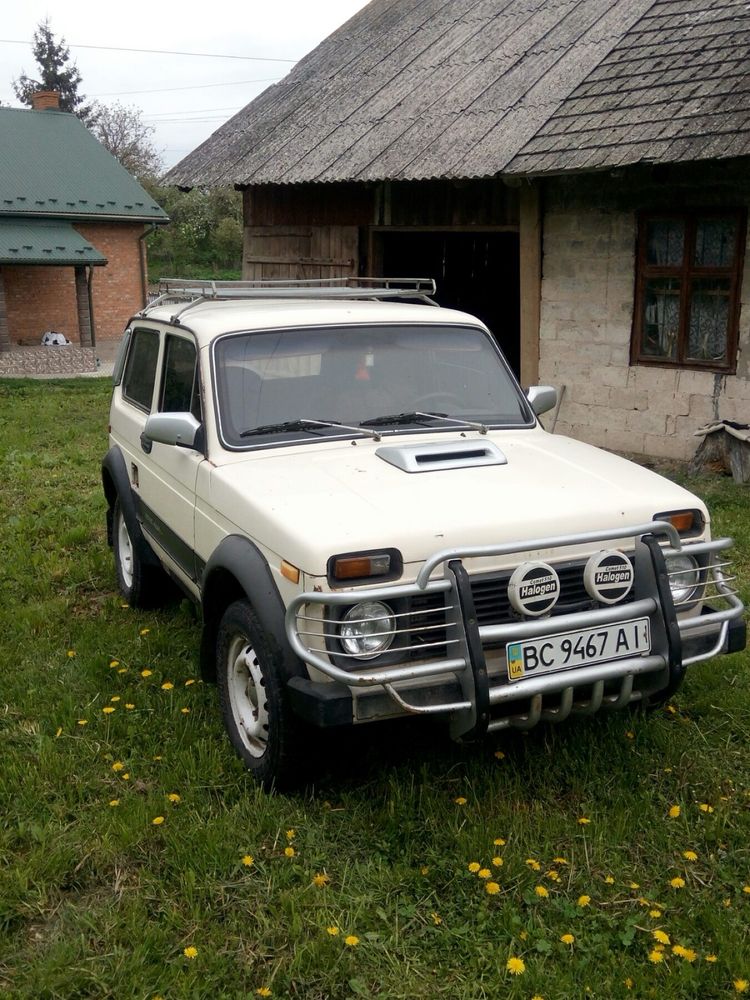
(260, 724)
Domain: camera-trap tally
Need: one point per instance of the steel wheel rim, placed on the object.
(124, 552)
(247, 695)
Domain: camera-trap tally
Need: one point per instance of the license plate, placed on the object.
(578, 649)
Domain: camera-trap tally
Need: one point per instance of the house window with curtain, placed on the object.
(689, 273)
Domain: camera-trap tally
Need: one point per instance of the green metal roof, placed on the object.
(51, 165)
(41, 241)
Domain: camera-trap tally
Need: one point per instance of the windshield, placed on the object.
(352, 375)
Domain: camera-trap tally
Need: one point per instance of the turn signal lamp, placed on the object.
(289, 571)
(685, 522)
(356, 567)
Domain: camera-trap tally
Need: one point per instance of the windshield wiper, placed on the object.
(306, 425)
(418, 417)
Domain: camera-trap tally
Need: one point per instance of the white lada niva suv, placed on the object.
(361, 500)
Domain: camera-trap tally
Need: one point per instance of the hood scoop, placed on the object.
(438, 456)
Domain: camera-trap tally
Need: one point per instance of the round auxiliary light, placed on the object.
(367, 630)
(684, 577)
(608, 576)
(534, 589)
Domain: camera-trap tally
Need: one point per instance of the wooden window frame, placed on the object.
(686, 272)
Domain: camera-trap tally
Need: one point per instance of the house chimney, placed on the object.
(45, 100)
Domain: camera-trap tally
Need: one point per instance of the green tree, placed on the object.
(56, 72)
(121, 130)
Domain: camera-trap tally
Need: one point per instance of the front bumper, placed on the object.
(466, 678)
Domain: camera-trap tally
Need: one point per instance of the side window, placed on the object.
(179, 391)
(140, 368)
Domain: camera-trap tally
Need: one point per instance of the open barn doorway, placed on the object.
(477, 272)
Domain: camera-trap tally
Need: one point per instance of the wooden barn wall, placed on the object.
(320, 230)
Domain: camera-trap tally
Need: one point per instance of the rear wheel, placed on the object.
(260, 724)
(141, 585)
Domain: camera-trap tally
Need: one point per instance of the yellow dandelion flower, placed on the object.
(474, 866)
(692, 856)
(671, 709)
(129, 706)
(436, 919)
(537, 997)
(674, 812)
(643, 901)
(157, 820)
(108, 709)
(289, 852)
(583, 821)
(263, 991)
(500, 755)
(688, 954)
(609, 880)
(498, 842)
(584, 900)
(629, 734)
(114, 802)
(185, 711)
(552, 875)
(146, 672)
(118, 766)
(333, 931)
(523, 935)
(711, 958)
(567, 938)
(189, 681)
(498, 862)
(424, 870)
(351, 940)
(656, 956)
(726, 903)
(492, 888)
(705, 807)
(122, 670)
(125, 776)
(628, 983)
(174, 797)
(114, 663)
(661, 936)
(167, 686)
(321, 880)
(291, 834)
(157, 757)
(541, 891)
(144, 631)
(247, 860)
(115, 697)
(460, 800)
(484, 873)
(655, 914)
(190, 952)
(515, 966)
(746, 889)
(58, 732)
(71, 654)
(740, 985)
(677, 882)
(533, 865)
(561, 861)
(634, 885)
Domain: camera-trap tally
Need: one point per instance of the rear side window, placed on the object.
(179, 386)
(140, 368)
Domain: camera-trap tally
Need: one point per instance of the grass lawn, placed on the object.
(139, 860)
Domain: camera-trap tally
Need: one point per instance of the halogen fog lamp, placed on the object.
(367, 630)
(684, 577)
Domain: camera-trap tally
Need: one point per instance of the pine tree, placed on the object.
(56, 73)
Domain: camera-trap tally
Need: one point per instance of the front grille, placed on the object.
(490, 593)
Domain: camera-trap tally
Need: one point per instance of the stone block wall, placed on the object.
(35, 361)
(588, 285)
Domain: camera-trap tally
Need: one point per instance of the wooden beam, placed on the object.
(531, 281)
(5, 344)
(84, 311)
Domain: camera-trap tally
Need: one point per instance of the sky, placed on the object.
(183, 97)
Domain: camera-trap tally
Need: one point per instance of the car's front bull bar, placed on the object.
(470, 715)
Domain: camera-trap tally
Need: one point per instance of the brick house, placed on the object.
(72, 228)
(576, 173)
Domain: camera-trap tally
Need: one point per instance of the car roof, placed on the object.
(209, 319)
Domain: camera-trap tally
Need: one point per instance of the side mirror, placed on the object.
(542, 398)
(179, 429)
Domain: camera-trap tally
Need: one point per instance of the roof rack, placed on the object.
(192, 291)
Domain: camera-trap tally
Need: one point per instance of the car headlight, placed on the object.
(684, 577)
(367, 630)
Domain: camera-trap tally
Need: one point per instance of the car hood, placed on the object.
(306, 503)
